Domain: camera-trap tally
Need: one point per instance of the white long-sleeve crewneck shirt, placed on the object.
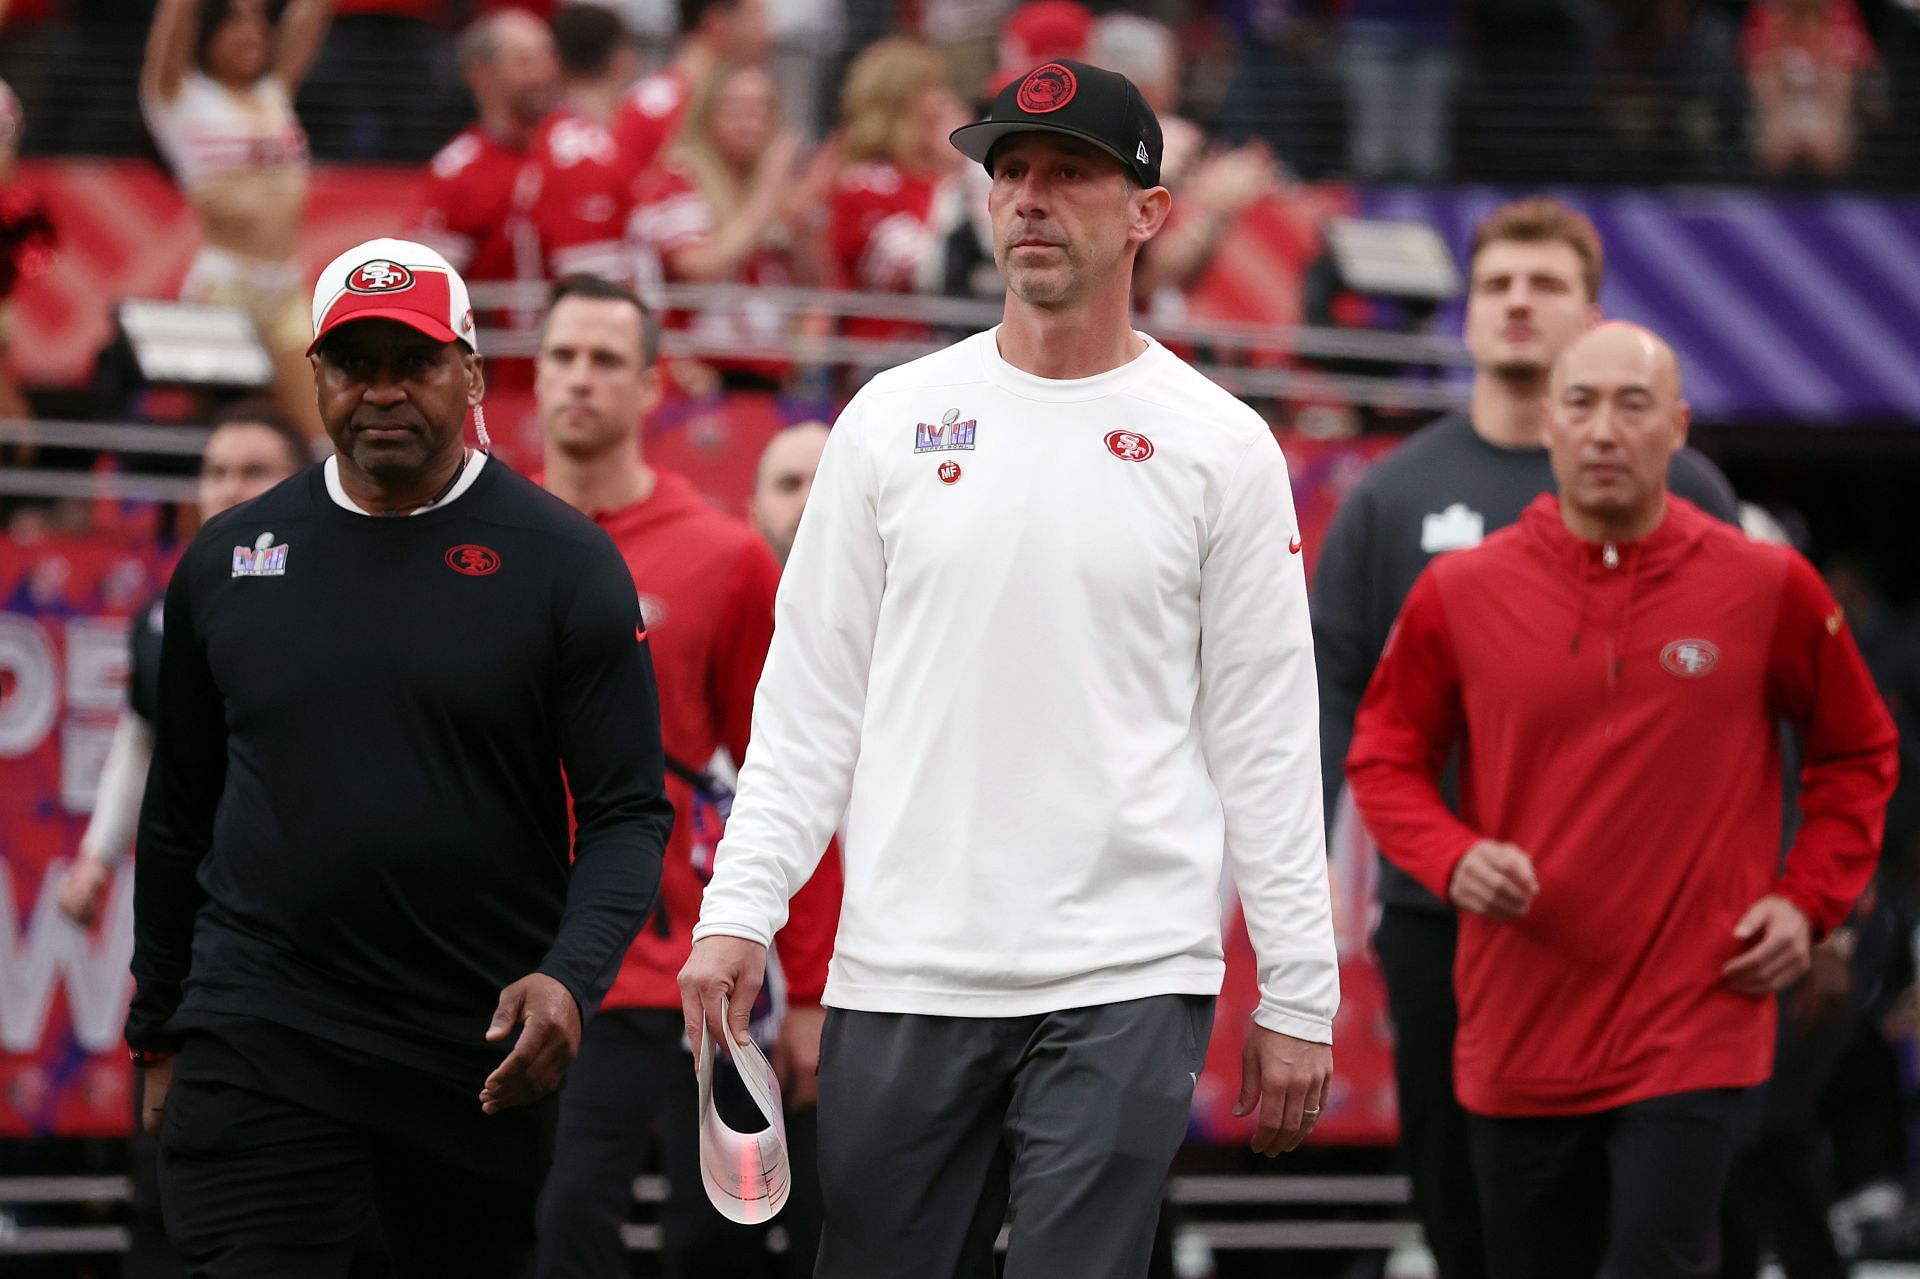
(1044, 644)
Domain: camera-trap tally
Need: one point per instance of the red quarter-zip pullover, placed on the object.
(706, 585)
(1619, 705)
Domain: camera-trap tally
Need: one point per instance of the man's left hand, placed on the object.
(548, 1043)
(1777, 947)
(796, 1055)
(1287, 1080)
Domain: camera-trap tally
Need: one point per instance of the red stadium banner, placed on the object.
(63, 669)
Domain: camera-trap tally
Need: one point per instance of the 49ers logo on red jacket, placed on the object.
(380, 276)
(1129, 446)
(1046, 89)
(1690, 658)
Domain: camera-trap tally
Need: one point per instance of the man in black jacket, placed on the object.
(1533, 280)
(364, 942)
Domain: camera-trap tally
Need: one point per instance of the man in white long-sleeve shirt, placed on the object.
(1043, 640)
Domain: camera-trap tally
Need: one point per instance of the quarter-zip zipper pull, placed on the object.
(1610, 555)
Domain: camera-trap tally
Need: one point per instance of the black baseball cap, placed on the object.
(1081, 101)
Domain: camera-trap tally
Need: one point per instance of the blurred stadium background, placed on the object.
(1335, 154)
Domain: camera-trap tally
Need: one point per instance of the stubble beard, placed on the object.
(596, 438)
(1047, 287)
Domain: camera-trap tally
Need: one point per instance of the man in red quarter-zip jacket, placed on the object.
(1615, 665)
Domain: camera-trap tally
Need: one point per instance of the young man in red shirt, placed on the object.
(1616, 665)
(706, 584)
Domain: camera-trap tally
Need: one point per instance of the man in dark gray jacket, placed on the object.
(1533, 277)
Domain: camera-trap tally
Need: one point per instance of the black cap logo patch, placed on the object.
(1046, 89)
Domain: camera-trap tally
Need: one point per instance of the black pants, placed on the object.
(631, 1093)
(149, 1253)
(1416, 960)
(278, 1152)
(1631, 1193)
(1779, 1186)
(932, 1127)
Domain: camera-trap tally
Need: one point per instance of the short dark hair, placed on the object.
(256, 411)
(586, 36)
(600, 289)
(213, 14)
(693, 11)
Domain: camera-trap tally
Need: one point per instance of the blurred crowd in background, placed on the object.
(776, 153)
(1369, 88)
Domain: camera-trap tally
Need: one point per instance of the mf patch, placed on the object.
(951, 434)
(262, 559)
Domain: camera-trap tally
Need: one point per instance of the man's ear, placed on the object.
(651, 391)
(476, 379)
(1150, 210)
(1683, 419)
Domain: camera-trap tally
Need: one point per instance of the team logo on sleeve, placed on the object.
(1129, 446)
(262, 559)
(951, 434)
(472, 560)
(1690, 658)
(380, 276)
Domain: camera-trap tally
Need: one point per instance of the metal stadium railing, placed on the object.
(1216, 342)
(1382, 1194)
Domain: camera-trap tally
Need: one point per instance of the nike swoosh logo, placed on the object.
(1294, 545)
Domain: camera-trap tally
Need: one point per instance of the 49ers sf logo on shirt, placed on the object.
(1129, 446)
(474, 561)
(379, 276)
(1690, 658)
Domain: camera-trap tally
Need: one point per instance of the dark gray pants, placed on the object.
(931, 1126)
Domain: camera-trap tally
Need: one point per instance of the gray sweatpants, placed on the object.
(931, 1126)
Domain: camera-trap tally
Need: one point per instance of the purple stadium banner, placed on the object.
(1784, 309)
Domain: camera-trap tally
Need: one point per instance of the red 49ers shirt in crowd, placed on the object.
(649, 117)
(1618, 706)
(883, 236)
(502, 214)
(671, 214)
(579, 204)
(472, 209)
(707, 585)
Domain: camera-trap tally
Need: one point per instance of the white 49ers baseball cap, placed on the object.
(393, 280)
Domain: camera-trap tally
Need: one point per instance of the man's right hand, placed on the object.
(154, 1082)
(730, 966)
(1493, 879)
(83, 888)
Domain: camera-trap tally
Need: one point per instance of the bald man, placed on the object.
(783, 481)
(1613, 668)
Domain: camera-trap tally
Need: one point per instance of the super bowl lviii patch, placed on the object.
(262, 559)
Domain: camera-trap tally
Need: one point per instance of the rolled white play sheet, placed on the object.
(747, 1174)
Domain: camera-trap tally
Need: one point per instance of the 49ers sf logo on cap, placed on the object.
(1046, 89)
(1129, 446)
(474, 561)
(379, 277)
(1690, 658)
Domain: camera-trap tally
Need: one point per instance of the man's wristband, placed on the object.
(147, 1057)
